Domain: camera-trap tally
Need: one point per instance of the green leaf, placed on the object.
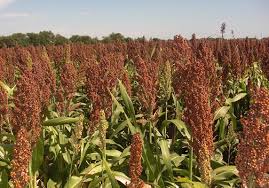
(181, 126)
(113, 153)
(37, 156)
(235, 98)
(51, 184)
(187, 183)
(67, 157)
(3, 179)
(8, 89)
(119, 128)
(221, 112)
(194, 185)
(74, 182)
(224, 173)
(166, 155)
(83, 151)
(127, 100)
(111, 176)
(7, 136)
(150, 161)
(121, 177)
(60, 121)
(176, 159)
(93, 169)
(129, 123)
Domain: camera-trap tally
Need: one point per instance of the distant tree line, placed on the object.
(49, 38)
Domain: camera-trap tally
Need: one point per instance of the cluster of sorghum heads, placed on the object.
(205, 55)
(98, 66)
(31, 96)
(135, 167)
(26, 119)
(3, 94)
(102, 77)
(252, 159)
(44, 75)
(196, 83)
(148, 83)
(21, 158)
(198, 115)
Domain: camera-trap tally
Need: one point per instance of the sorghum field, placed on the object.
(158, 113)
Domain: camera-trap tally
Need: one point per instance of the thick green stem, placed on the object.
(166, 118)
(150, 132)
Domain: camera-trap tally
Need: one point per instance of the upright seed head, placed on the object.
(253, 149)
(27, 110)
(165, 82)
(198, 115)
(135, 167)
(148, 81)
(21, 157)
(103, 126)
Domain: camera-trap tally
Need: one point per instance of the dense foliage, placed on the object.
(49, 38)
(175, 113)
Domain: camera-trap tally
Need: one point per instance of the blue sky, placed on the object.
(151, 18)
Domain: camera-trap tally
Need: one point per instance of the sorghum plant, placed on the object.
(101, 78)
(198, 115)
(252, 159)
(148, 82)
(26, 120)
(135, 167)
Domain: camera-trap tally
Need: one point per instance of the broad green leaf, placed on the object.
(74, 182)
(93, 169)
(131, 127)
(113, 153)
(3, 179)
(181, 126)
(52, 184)
(111, 176)
(221, 112)
(60, 121)
(187, 183)
(96, 181)
(127, 100)
(166, 155)
(121, 177)
(235, 98)
(83, 150)
(223, 171)
(37, 155)
(119, 128)
(7, 88)
(149, 160)
(7, 136)
(194, 185)
(176, 159)
(67, 157)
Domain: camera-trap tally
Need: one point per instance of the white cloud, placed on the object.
(5, 3)
(15, 15)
